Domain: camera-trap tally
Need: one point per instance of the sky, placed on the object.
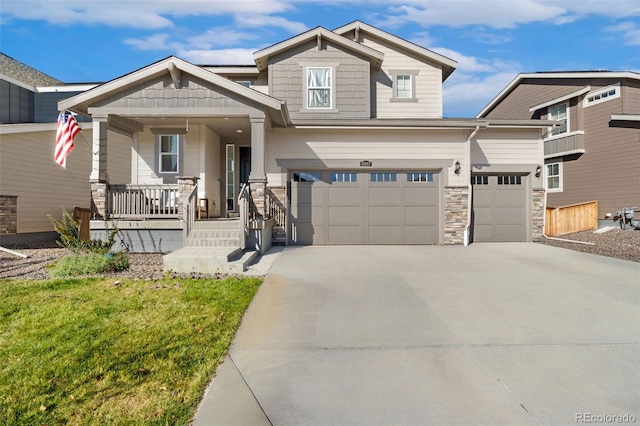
(79, 41)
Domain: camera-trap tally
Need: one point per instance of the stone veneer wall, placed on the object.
(456, 201)
(98, 200)
(8, 214)
(537, 215)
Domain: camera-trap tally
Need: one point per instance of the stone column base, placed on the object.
(456, 202)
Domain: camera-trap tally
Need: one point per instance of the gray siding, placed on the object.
(631, 97)
(160, 93)
(46, 107)
(16, 104)
(352, 74)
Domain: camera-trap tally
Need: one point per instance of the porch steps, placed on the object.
(212, 247)
(279, 236)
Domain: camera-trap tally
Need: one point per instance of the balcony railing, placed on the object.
(572, 143)
(143, 201)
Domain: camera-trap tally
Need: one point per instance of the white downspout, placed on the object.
(467, 153)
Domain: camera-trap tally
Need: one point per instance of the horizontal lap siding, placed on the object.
(507, 147)
(428, 83)
(631, 97)
(609, 170)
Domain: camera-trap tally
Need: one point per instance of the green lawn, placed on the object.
(88, 351)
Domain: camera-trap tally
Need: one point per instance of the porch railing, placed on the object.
(275, 209)
(190, 211)
(244, 204)
(143, 201)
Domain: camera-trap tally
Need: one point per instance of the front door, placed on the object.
(245, 164)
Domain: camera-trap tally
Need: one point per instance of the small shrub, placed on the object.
(89, 264)
(69, 231)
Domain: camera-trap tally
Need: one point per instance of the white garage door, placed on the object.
(354, 207)
(499, 208)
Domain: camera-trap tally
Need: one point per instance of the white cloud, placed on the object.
(630, 32)
(422, 39)
(144, 14)
(255, 21)
(220, 37)
(501, 14)
(480, 35)
(153, 42)
(218, 57)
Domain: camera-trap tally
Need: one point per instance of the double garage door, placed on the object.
(355, 207)
(499, 208)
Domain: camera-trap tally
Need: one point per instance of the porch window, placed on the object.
(318, 87)
(169, 154)
(560, 114)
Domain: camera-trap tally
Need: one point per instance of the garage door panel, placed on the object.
(308, 214)
(509, 215)
(306, 233)
(388, 195)
(482, 197)
(344, 195)
(385, 235)
(384, 215)
(307, 194)
(344, 215)
(482, 215)
(415, 215)
(482, 233)
(510, 233)
(508, 197)
(345, 235)
(416, 194)
(423, 234)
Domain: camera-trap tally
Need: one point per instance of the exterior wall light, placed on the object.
(457, 169)
(538, 170)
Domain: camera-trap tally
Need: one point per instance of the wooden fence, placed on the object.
(574, 218)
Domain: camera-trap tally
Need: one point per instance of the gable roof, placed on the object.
(24, 74)
(448, 64)
(262, 56)
(80, 102)
(553, 75)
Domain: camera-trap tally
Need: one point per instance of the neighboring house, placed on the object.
(338, 134)
(32, 185)
(594, 152)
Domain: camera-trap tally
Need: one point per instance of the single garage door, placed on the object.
(499, 208)
(355, 207)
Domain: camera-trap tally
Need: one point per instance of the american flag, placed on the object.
(67, 129)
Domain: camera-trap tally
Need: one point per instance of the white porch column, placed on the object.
(258, 177)
(99, 151)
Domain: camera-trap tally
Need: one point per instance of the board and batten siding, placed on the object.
(42, 186)
(419, 147)
(16, 104)
(351, 80)
(428, 83)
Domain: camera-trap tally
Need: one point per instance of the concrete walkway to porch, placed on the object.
(511, 333)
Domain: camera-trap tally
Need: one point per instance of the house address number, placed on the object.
(366, 163)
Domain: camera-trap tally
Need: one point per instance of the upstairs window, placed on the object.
(403, 87)
(602, 95)
(169, 154)
(560, 114)
(319, 87)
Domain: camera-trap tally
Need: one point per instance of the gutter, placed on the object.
(467, 154)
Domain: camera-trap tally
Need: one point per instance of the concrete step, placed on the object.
(240, 265)
(217, 224)
(214, 233)
(212, 242)
(205, 260)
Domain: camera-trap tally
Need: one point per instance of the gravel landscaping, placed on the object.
(618, 243)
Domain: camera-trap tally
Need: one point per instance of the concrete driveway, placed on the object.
(487, 334)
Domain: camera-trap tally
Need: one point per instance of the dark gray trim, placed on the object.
(27, 239)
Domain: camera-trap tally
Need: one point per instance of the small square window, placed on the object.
(419, 177)
(344, 177)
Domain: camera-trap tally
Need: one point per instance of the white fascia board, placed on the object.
(160, 68)
(67, 88)
(421, 51)
(625, 117)
(261, 56)
(568, 96)
(17, 82)
(232, 70)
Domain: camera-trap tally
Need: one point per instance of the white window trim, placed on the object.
(331, 88)
(586, 103)
(394, 75)
(160, 154)
(564, 135)
(546, 177)
(568, 106)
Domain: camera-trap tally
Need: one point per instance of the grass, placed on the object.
(88, 351)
